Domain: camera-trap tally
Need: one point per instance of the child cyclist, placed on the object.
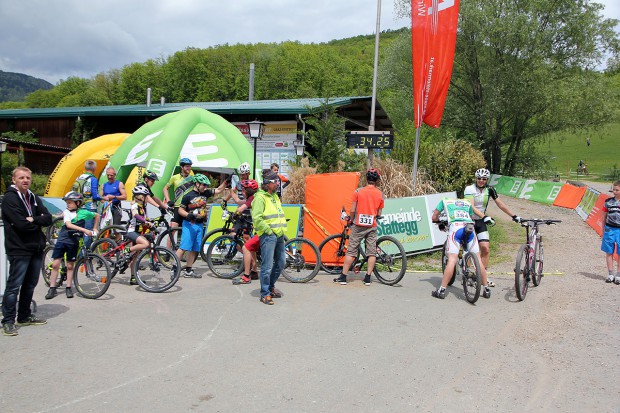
(137, 226)
(74, 218)
(459, 212)
(611, 234)
(251, 244)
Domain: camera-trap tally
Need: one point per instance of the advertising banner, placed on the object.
(433, 40)
(507, 185)
(569, 196)
(292, 213)
(595, 217)
(540, 191)
(587, 203)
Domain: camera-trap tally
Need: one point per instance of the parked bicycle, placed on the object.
(91, 272)
(157, 268)
(390, 266)
(225, 259)
(468, 266)
(229, 219)
(529, 265)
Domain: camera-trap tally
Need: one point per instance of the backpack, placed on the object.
(82, 185)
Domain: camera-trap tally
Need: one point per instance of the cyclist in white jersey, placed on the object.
(479, 195)
(458, 213)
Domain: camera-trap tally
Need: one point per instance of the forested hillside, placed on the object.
(16, 86)
(221, 73)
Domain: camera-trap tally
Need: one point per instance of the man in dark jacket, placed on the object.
(23, 215)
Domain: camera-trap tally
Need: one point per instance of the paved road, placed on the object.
(209, 346)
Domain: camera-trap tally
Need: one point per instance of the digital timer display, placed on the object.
(368, 141)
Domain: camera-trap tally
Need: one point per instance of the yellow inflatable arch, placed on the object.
(72, 164)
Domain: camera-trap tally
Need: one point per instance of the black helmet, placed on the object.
(150, 175)
(372, 175)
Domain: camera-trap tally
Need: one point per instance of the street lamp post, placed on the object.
(2, 150)
(256, 130)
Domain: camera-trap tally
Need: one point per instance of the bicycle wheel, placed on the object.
(158, 271)
(332, 252)
(51, 232)
(110, 231)
(472, 282)
(391, 263)
(537, 263)
(106, 247)
(303, 260)
(208, 238)
(224, 257)
(46, 265)
(521, 273)
(170, 238)
(91, 275)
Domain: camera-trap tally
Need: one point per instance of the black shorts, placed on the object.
(177, 217)
(117, 214)
(481, 228)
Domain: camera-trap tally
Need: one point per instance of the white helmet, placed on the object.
(483, 173)
(140, 190)
(244, 168)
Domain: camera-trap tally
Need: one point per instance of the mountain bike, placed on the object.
(229, 219)
(529, 264)
(391, 259)
(156, 268)
(91, 272)
(468, 266)
(302, 258)
(51, 232)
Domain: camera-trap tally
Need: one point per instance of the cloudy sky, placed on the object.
(55, 39)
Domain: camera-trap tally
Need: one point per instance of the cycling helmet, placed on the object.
(150, 175)
(483, 173)
(201, 179)
(372, 175)
(244, 168)
(73, 196)
(185, 161)
(140, 190)
(249, 183)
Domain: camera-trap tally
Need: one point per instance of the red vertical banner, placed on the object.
(433, 41)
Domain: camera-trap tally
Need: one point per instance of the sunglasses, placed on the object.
(483, 179)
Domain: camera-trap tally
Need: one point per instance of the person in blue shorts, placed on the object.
(611, 234)
(193, 210)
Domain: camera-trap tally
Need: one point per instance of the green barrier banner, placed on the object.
(507, 185)
(291, 212)
(540, 191)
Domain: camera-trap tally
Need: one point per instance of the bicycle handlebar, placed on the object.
(527, 222)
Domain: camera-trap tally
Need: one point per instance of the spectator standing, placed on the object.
(270, 226)
(24, 216)
(113, 191)
(182, 184)
(611, 234)
(284, 181)
(87, 184)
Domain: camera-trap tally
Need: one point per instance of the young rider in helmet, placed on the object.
(74, 218)
(367, 205)
(236, 192)
(181, 183)
(149, 178)
(137, 226)
(478, 194)
(243, 224)
(193, 210)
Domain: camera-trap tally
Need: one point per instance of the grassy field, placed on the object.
(566, 149)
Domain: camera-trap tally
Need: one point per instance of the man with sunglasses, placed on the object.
(478, 195)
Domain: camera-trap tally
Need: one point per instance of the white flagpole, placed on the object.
(371, 126)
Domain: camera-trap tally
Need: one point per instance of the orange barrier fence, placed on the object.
(569, 196)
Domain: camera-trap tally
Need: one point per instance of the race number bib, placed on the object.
(458, 214)
(365, 220)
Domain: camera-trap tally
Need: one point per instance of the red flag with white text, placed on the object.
(433, 41)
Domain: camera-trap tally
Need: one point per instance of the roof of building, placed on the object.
(355, 109)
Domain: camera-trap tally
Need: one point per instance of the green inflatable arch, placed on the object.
(211, 142)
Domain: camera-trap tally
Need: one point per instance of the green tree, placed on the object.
(326, 137)
(523, 69)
